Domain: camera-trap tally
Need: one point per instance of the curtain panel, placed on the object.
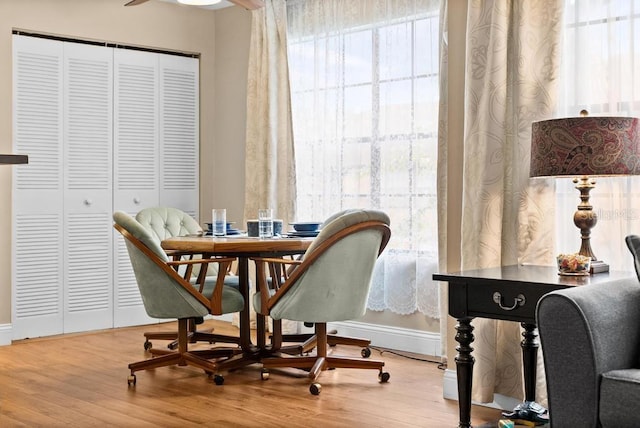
(511, 78)
(442, 172)
(364, 82)
(270, 167)
(270, 161)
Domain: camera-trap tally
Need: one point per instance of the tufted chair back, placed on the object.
(167, 222)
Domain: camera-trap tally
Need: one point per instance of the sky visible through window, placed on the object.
(365, 108)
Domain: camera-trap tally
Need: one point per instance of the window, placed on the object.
(601, 73)
(365, 112)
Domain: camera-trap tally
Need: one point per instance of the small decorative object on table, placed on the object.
(573, 264)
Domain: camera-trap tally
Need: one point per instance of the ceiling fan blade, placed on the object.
(248, 4)
(135, 2)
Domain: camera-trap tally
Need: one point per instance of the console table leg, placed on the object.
(529, 409)
(464, 369)
(529, 347)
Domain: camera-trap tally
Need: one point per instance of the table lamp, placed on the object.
(584, 147)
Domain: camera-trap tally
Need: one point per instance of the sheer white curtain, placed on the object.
(601, 73)
(364, 85)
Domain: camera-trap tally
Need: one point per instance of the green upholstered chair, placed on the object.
(168, 222)
(307, 341)
(330, 283)
(167, 295)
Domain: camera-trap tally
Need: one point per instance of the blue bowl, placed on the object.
(306, 226)
(229, 226)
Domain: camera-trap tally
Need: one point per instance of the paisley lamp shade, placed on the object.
(584, 147)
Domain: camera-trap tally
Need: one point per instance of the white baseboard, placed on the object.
(450, 392)
(5, 334)
(400, 339)
(224, 317)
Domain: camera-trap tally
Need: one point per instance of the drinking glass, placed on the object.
(265, 223)
(219, 220)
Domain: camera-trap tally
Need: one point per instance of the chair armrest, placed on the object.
(200, 261)
(584, 332)
(279, 271)
(216, 297)
(278, 260)
(178, 253)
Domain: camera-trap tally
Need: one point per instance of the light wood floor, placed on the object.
(81, 381)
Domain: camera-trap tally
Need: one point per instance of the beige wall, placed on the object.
(222, 38)
(154, 24)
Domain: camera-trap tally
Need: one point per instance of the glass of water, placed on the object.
(219, 220)
(265, 223)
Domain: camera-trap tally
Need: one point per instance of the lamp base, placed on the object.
(598, 266)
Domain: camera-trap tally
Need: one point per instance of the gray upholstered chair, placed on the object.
(168, 222)
(590, 339)
(330, 283)
(167, 295)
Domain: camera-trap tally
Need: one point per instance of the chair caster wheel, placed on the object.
(366, 352)
(384, 377)
(147, 345)
(131, 380)
(218, 379)
(172, 346)
(315, 388)
(264, 374)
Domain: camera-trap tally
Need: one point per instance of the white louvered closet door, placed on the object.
(105, 129)
(179, 133)
(136, 166)
(88, 110)
(37, 252)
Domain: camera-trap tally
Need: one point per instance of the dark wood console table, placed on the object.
(13, 159)
(508, 293)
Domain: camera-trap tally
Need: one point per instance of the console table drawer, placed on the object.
(503, 301)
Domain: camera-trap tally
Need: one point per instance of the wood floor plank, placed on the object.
(80, 380)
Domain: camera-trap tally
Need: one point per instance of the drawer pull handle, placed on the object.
(519, 301)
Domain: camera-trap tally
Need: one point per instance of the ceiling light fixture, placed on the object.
(199, 2)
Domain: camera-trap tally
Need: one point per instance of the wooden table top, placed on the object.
(236, 245)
